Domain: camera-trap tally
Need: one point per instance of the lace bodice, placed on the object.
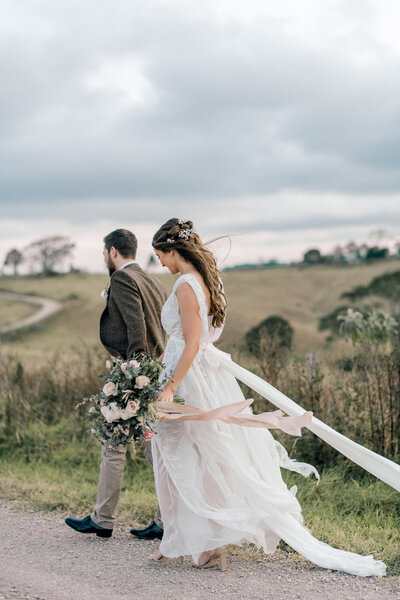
(171, 320)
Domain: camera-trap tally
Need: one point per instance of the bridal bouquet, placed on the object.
(123, 410)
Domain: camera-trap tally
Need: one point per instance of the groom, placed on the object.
(130, 323)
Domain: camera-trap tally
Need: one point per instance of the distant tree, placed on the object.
(312, 256)
(351, 248)
(13, 259)
(270, 342)
(375, 253)
(274, 326)
(46, 254)
(337, 254)
(151, 262)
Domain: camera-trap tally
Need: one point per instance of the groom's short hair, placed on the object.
(124, 241)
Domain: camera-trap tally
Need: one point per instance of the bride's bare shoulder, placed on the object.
(186, 296)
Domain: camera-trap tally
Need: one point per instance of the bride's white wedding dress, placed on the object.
(221, 484)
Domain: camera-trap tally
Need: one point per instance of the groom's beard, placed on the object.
(110, 266)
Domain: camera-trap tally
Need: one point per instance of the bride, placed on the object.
(218, 483)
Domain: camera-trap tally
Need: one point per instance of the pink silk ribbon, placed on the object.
(232, 413)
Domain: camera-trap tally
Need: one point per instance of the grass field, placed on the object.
(300, 295)
(12, 312)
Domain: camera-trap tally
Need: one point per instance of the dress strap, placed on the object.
(199, 292)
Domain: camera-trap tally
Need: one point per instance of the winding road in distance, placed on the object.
(47, 308)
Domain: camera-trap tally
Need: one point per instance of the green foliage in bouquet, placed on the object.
(123, 410)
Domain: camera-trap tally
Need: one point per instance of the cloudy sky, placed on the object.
(276, 121)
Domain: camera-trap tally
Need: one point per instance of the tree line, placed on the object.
(350, 253)
(43, 256)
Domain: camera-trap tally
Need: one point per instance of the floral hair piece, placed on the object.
(185, 233)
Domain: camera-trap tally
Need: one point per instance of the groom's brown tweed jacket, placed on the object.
(131, 320)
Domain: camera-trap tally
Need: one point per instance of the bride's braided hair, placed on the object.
(179, 235)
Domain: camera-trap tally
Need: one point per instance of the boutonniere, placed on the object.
(105, 292)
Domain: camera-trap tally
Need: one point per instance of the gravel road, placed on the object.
(42, 559)
(47, 308)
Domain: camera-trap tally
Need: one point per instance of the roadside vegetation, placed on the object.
(48, 460)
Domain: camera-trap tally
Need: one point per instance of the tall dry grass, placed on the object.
(37, 402)
(358, 395)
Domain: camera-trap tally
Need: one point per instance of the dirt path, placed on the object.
(47, 308)
(42, 559)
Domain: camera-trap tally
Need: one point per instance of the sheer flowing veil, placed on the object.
(383, 468)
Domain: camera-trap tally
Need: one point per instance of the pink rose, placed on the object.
(142, 381)
(133, 407)
(130, 410)
(110, 389)
(148, 435)
(134, 363)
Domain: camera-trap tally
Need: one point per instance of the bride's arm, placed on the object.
(191, 327)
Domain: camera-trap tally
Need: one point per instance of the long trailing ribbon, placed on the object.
(233, 413)
(383, 468)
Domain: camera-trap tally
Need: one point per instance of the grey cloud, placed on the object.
(218, 215)
(240, 109)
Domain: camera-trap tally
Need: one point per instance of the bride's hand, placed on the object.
(166, 394)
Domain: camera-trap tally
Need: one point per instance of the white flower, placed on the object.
(134, 363)
(108, 364)
(92, 410)
(132, 406)
(123, 367)
(123, 414)
(142, 381)
(111, 412)
(110, 389)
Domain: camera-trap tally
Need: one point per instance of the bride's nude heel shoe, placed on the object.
(218, 557)
(163, 559)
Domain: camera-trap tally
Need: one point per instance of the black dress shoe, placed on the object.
(152, 532)
(86, 525)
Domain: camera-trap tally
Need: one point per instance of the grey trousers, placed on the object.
(110, 481)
